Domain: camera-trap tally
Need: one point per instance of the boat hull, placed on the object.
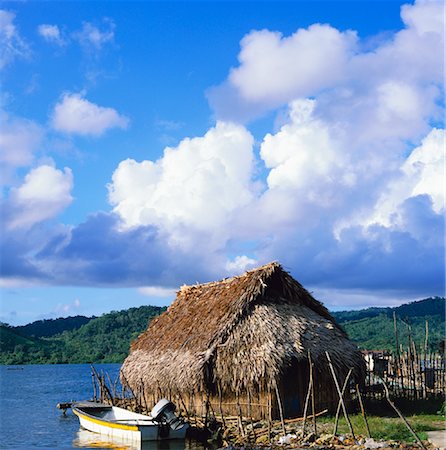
(131, 429)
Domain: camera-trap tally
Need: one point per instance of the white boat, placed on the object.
(120, 423)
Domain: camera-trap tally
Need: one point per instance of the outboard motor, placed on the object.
(164, 411)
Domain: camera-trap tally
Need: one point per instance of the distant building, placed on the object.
(235, 343)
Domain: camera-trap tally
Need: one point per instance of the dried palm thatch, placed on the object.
(238, 334)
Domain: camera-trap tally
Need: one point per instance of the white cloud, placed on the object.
(324, 62)
(422, 173)
(45, 192)
(19, 141)
(274, 68)
(352, 199)
(157, 291)
(51, 33)
(240, 264)
(76, 115)
(64, 309)
(12, 45)
(303, 151)
(193, 188)
(92, 38)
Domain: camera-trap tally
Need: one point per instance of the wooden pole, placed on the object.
(364, 416)
(220, 406)
(280, 407)
(93, 379)
(313, 408)
(401, 416)
(307, 399)
(338, 410)
(344, 409)
(240, 416)
(250, 415)
(269, 414)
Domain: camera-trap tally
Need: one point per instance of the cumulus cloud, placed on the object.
(45, 192)
(19, 141)
(82, 256)
(422, 173)
(157, 291)
(76, 115)
(12, 45)
(51, 33)
(239, 264)
(92, 38)
(193, 189)
(347, 193)
(274, 69)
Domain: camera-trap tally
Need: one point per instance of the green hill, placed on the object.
(51, 327)
(107, 338)
(99, 340)
(373, 328)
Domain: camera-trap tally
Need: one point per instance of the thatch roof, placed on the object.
(240, 333)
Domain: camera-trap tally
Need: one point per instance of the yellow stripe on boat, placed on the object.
(105, 423)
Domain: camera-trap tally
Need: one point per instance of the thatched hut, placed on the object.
(234, 344)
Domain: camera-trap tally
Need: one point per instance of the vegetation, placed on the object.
(99, 340)
(373, 328)
(107, 338)
(386, 428)
(51, 327)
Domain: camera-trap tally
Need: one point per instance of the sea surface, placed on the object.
(29, 418)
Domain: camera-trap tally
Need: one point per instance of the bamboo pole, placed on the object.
(344, 409)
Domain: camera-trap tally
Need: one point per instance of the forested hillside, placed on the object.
(107, 338)
(99, 340)
(51, 327)
(373, 328)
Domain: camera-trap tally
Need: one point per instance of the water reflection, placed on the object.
(87, 439)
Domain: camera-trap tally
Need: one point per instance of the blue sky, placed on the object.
(146, 145)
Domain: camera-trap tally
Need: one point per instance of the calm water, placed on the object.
(29, 417)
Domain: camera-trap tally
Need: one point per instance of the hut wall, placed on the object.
(292, 387)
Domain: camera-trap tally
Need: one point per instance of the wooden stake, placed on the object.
(269, 415)
(363, 411)
(401, 416)
(93, 379)
(307, 399)
(280, 407)
(338, 410)
(220, 406)
(313, 408)
(344, 409)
